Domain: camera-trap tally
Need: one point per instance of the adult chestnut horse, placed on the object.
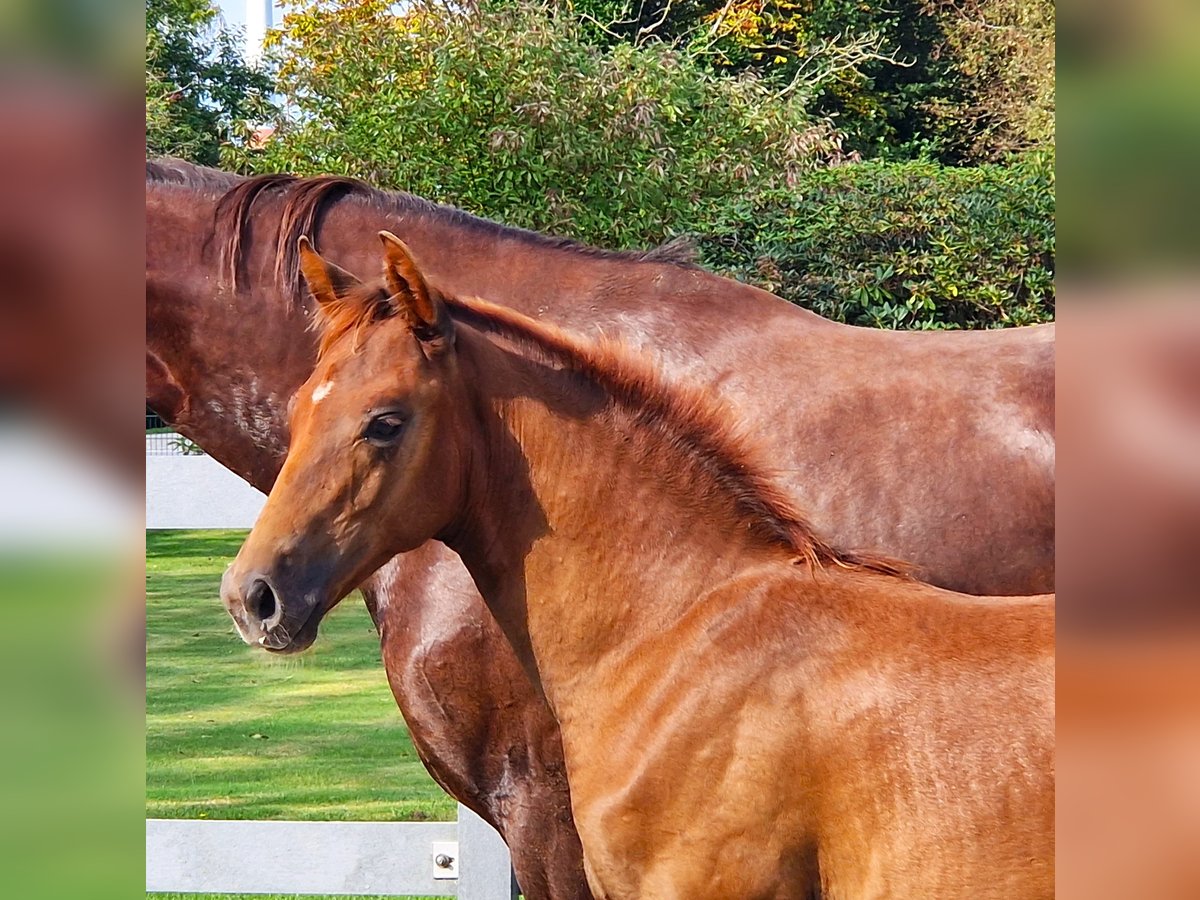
(943, 443)
(745, 710)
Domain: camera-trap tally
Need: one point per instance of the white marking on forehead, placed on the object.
(321, 391)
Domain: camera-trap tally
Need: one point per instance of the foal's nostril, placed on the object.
(260, 601)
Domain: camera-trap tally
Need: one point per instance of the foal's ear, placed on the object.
(413, 297)
(328, 283)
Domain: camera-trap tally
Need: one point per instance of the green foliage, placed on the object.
(1001, 62)
(511, 113)
(185, 447)
(954, 80)
(905, 245)
(877, 72)
(517, 114)
(868, 66)
(199, 92)
(160, 896)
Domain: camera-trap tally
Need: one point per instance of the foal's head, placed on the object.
(374, 464)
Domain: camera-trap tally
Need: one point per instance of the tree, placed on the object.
(1001, 54)
(955, 80)
(518, 111)
(199, 90)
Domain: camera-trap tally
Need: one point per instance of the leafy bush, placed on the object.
(507, 111)
(515, 113)
(954, 80)
(1001, 59)
(904, 245)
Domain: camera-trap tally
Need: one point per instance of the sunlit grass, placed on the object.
(234, 733)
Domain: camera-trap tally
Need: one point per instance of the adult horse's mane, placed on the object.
(168, 170)
(709, 456)
(307, 200)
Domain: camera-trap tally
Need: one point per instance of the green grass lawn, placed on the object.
(235, 733)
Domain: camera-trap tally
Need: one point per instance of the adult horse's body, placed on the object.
(936, 448)
(745, 711)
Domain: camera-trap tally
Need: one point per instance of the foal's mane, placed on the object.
(306, 201)
(708, 455)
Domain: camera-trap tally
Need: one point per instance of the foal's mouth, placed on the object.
(283, 640)
(280, 633)
(277, 614)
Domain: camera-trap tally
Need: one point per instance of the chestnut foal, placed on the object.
(745, 710)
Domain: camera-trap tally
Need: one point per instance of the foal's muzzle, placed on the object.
(256, 609)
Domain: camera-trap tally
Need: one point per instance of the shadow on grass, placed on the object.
(190, 544)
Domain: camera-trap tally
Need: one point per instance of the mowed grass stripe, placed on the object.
(235, 733)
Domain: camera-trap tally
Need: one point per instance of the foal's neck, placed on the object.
(593, 522)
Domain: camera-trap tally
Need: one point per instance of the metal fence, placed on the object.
(162, 440)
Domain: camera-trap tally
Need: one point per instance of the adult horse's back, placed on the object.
(938, 448)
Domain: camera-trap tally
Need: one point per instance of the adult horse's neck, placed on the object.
(203, 226)
(657, 293)
(861, 419)
(579, 568)
(220, 364)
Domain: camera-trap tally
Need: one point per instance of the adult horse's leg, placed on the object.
(476, 720)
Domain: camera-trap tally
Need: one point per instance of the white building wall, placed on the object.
(197, 492)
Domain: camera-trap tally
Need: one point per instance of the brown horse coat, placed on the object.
(222, 365)
(745, 710)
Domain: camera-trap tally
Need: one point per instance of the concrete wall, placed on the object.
(465, 859)
(197, 492)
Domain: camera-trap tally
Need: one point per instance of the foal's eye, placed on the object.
(384, 428)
